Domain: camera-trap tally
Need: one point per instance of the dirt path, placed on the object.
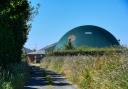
(38, 81)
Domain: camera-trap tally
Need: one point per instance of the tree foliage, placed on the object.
(14, 28)
(69, 45)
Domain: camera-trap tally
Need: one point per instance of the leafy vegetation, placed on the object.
(92, 71)
(86, 51)
(49, 79)
(69, 45)
(14, 28)
(14, 76)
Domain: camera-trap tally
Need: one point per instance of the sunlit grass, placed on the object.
(92, 72)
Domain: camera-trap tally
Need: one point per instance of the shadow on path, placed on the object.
(38, 81)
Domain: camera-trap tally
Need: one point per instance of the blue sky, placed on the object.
(56, 17)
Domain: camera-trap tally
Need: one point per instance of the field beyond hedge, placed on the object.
(92, 71)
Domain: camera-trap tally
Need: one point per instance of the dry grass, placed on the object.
(92, 72)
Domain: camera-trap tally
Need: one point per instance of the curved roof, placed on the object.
(88, 36)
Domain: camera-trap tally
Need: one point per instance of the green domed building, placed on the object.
(87, 36)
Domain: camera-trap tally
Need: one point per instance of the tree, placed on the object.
(14, 18)
(69, 45)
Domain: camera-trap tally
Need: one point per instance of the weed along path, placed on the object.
(45, 79)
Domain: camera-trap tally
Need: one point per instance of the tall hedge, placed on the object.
(14, 28)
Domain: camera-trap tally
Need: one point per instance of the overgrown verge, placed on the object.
(92, 72)
(14, 76)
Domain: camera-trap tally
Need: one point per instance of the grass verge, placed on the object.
(14, 76)
(92, 72)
